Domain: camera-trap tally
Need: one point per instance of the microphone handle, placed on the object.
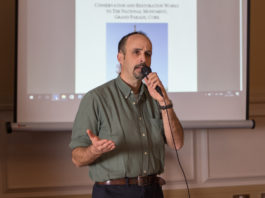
(145, 71)
(158, 89)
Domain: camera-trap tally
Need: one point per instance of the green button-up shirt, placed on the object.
(113, 112)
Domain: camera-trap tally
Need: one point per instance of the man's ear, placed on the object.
(120, 57)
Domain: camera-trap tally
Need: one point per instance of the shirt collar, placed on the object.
(126, 89)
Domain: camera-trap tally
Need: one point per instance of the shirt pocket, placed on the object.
(157, 131)
(158, 144)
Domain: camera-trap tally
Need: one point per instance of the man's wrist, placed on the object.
(165, 101)
(95, 151)
(167, 104)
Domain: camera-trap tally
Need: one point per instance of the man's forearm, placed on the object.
(82, 156)
(177, 129)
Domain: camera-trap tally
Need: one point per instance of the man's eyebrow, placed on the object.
(137, 48)
(150, 51)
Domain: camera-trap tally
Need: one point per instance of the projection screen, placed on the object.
(67, 47)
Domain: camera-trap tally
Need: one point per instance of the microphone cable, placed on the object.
(182, 170)
(145, 71)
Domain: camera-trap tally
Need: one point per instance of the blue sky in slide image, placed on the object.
(157, 32)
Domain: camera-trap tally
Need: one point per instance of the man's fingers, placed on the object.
(103, 146)
(154, 80)
(100, 145)
(106, 148)
(101, 142)
(90, 133)
(92, 136)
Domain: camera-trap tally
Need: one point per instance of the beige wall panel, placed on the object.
(234, 154)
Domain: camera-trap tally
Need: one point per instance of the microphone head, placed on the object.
(146, 70)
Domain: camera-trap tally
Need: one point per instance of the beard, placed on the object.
(138, 75)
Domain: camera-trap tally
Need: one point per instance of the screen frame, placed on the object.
(16, 60)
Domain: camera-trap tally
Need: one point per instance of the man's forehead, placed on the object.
(139, 41)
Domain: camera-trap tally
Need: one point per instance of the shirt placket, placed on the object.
(143, 133)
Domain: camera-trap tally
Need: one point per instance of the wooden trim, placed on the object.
(6, 107)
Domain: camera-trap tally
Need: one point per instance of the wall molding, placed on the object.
(258, 178)
(36, 191)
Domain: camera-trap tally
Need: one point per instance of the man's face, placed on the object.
(138, 52)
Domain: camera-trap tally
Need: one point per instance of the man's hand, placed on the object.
(152, 80)
(100, 146)
(82, 156)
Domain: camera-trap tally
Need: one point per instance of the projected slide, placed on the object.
(101, 24)
(68, 47)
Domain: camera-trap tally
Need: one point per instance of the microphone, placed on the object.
(145, 71)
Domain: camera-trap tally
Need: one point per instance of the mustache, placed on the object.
(139, 65)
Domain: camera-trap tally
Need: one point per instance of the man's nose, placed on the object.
(142, 58)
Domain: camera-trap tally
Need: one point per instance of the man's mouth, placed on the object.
(140, 66)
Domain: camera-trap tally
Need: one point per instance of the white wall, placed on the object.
(38, 163)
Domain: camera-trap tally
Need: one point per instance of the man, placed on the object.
(121, 127)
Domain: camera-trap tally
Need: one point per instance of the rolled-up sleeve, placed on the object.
(86, 118)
